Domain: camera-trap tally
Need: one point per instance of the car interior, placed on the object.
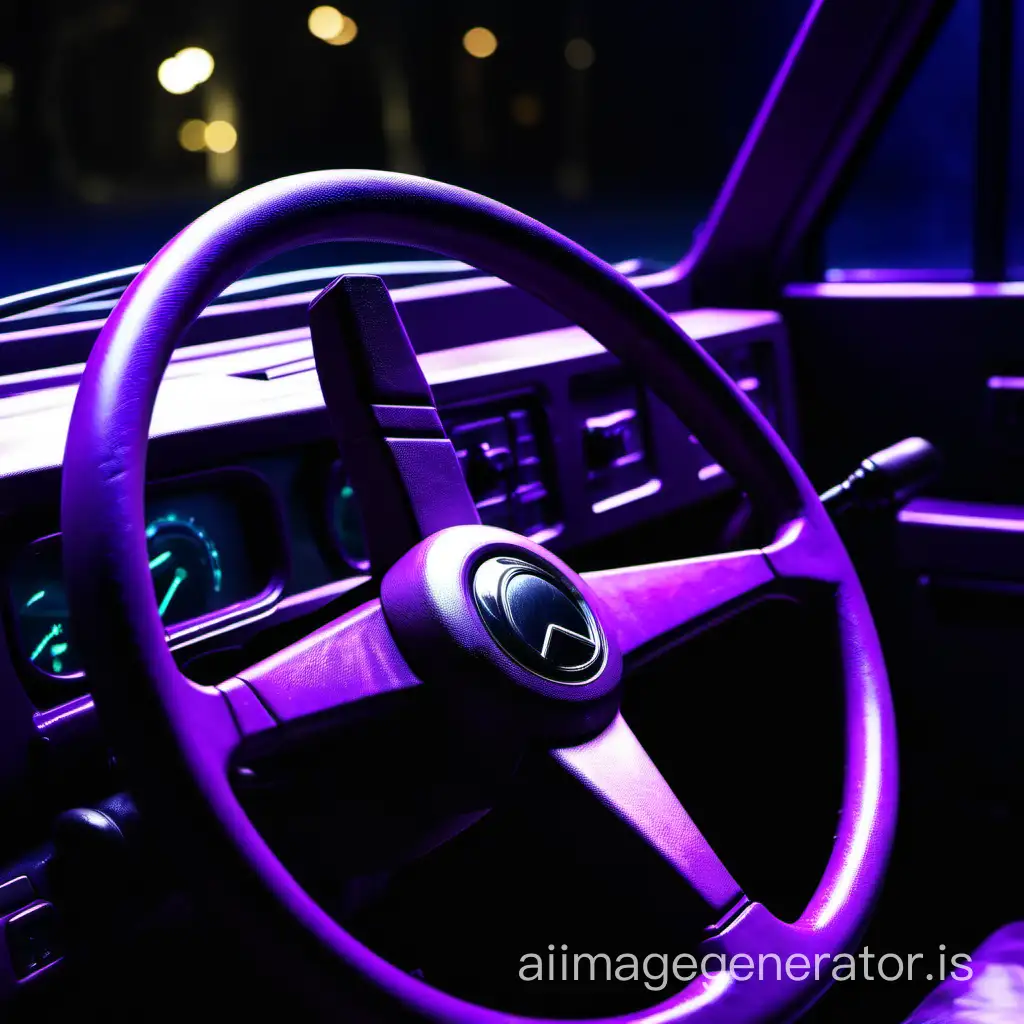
(391, 638)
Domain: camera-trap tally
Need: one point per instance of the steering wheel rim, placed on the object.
(153, 713)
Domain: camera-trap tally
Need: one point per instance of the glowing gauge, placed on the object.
(39, 609)
(186, 568)
(46, 641)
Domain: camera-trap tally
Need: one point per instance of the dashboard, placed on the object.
(251, 519)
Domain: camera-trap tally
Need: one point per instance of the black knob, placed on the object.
(96, 860)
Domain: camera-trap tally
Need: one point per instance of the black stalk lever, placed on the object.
(886, 480)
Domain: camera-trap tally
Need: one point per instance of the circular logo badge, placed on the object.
(540, 620)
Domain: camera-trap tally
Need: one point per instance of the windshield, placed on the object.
(121, 120)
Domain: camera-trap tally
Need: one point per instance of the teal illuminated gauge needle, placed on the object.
(159, 560)
(37, 596)
(180, 575)
(55, 630)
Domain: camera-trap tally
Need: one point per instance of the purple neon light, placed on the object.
(963, 515)
(610, 419)
(906, 290)
(709, 472)
(547, 535)
(873, 274)
(1006, 383)
(627, 497)
(46, 721)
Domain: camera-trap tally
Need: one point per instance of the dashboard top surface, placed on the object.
(204, 386)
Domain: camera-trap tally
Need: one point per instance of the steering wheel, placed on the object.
(512, 640)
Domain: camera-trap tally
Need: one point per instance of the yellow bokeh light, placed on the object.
(185, 70)
(349, 30)
(192, 135)
(480, 42)
(579, 54)
(174, 78)
(6, 81)
(195, 62)
(325, 23)
(220, 136)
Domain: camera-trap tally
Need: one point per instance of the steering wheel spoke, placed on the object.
(397, 779)
(403, 468)
(350, 660)
(657, 605)
(616, 770)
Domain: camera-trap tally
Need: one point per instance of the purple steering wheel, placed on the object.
(505, 631)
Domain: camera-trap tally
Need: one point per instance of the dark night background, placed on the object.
(626, 156)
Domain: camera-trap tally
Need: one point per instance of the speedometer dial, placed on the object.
(186, 568)
(43, 616)
(196, 574)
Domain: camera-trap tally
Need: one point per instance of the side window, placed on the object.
(910, 203)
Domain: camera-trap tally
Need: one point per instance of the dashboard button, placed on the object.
(612, 440)
(33, 939)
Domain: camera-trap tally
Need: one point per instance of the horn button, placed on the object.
(501, 623)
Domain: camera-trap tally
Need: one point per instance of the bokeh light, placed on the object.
(185, 70)
(174, 78)
(325, 22)
(192, 135)
(579, 54)
(480, 42)
(6, 81)
(195, 61)
(220, 136)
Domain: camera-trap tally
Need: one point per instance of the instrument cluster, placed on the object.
(216, 554)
